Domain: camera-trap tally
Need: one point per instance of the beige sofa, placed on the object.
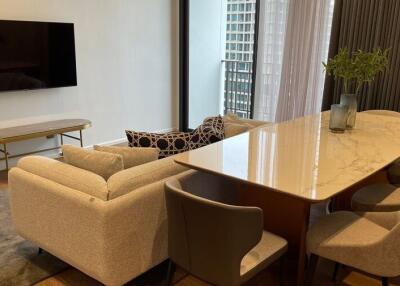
(111, 230)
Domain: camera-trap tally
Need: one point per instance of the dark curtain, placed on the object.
(367, 24)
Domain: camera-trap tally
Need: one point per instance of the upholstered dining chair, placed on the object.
(221, 244)
(365, 241)
(380, 197)
(377, 198)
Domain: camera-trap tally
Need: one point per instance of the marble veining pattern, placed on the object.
(302, 157)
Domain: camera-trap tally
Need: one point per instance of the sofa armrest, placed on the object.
(66, 175)
(133, 178)
(65, 222)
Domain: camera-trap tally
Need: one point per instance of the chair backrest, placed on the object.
(389, 249)
(207, 238)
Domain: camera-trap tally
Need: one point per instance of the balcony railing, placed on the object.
(238, 93)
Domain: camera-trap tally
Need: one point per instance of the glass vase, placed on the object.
(350, 100)
(338, 118)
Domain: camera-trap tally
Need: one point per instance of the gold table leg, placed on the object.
(5, 155)
(80, 137)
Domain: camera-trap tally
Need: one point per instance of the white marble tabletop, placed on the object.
(302, 157)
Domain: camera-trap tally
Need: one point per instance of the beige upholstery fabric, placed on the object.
(377, 198)
(235, 125)
(215, 241)
(131, 156)
(269, 249)
(233, 118)
(112, 241)
(136, 177)
(66, 175)
(101, 163)
(233, 129)
(368, 242)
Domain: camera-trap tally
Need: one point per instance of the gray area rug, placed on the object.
(20, 263)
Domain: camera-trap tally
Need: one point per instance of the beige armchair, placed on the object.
(222, 244)
(377, 198)
(366, 241)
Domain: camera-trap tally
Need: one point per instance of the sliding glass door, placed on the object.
(218, 44)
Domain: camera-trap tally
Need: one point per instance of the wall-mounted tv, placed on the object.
(35, 55)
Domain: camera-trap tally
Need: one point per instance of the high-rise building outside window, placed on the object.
(241, 17)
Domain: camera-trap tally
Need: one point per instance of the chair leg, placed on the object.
(385, 281)
(40, 251)
(170, 273)
(312, 265)
(335, 271)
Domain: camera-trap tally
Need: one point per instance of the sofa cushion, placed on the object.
(210, 131)
(233, 129)
(131, 156)
(169, 143)
(233, 118)
(101, 163)
(172, 143)
(66, 175)
(128, 180)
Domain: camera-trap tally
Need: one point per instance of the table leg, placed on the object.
(80, 137)
(285, 216)
(62, 139)
(5, 155)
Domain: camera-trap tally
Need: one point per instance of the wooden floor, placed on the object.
(347, 276)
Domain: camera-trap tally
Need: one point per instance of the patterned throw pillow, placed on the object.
(212, 130)
(169, 143)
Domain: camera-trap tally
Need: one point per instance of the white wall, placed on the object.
(126, 63)
(207, 49)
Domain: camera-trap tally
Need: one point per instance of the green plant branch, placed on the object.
(358, 68)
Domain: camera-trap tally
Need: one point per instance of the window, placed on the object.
(247, 37)
(234, 7)
(233, 37)
(241, 7)
(248, 27)
(234, 17)
(234, 27)
(246, 47)
(240, 37)
(240, 27)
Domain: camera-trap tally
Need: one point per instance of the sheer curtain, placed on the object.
(293, 41)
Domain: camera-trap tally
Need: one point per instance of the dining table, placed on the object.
(285, 168)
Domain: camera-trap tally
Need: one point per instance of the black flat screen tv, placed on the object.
(35, 55)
